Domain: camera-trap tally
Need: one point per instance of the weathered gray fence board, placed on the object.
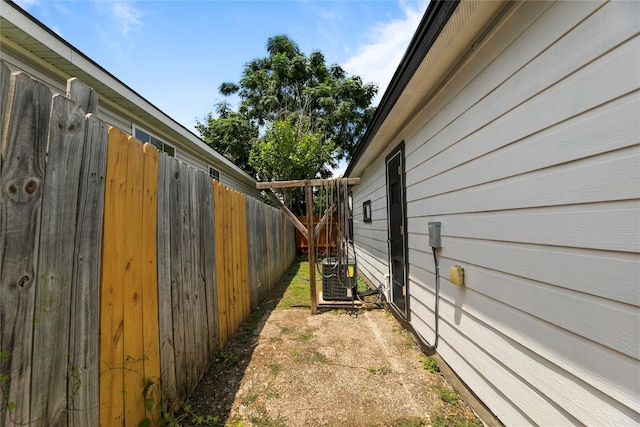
(197, 315)
(274, 244)
(177, 274)
(55, 262)
(254, 282)
(5, 76)
(202, 214)
(188, 285)
(208, 262)
(84, 384)
(23, 162)
(257, 244)
(83, 95)
(165, 309)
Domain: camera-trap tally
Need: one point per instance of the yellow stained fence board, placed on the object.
(234, 238)
(229, 243)
(151, 338)
(220, 271)
(133, 291)
(111, 291)
(244, 255)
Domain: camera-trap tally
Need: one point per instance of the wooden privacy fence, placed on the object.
(122, 271)
(327, 238)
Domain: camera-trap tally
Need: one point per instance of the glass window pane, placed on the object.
(169, 150)
(142, 136)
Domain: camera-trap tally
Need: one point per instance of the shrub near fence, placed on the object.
(122, 272)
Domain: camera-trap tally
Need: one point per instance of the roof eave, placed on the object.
(433, 21)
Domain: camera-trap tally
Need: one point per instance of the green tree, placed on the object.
(289, 84)
(297, 117)
(231, 134)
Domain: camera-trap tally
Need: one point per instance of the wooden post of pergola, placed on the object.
(309, 232)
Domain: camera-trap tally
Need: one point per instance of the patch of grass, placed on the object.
(285, 330)
(276, 368)
(384, 370)
(262, 419)
(410, 422)
(271, 393)
(297, 282)
(447, 395)
(305, 337)
(454, 421)
(430, 365)
(228, 359)
(311, 357)
(249, 399)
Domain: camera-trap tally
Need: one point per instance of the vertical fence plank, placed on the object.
(151, 356)
(221, 275)
(55, 263)
(133, 293)
(114, 265)
(188, 285)
(23, 162)
(177, 275)
(244, 255)
(197, 315)
(209, 262)
(84, 383)
(228, 266)
(5, 76)
(235, 265)
(165, 316)
(83, 95)
(256, 241)
(234, 239)
(203, 211)
(267, 246)
(228, 247)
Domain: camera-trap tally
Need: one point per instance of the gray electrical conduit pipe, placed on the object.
(437, 305)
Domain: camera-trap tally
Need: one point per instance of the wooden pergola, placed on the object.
(309, 232)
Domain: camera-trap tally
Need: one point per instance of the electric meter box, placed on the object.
(338, 279)
(435, 240)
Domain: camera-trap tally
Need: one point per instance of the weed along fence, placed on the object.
(122, 271)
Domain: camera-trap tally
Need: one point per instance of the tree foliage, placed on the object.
(231, 134)
(297, 117)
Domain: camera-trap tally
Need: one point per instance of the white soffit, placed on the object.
(465, 25)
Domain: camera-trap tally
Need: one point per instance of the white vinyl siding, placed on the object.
(529, 156)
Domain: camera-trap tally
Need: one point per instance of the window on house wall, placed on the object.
(366, 211)
(159, 144)
(214, 173)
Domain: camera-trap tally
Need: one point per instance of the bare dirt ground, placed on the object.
(286, 367)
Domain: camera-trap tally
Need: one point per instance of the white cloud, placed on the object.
(126, 17)
(377, 60)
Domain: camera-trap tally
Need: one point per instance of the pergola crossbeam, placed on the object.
(303, 183)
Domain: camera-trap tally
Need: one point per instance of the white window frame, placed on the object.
(216, 175)
(151, 134)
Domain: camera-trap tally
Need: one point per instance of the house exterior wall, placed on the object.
(529, 155)
(371, 238)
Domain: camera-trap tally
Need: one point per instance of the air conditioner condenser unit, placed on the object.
(338, 279)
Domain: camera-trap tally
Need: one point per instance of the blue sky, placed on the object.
(177, 53)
